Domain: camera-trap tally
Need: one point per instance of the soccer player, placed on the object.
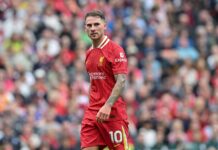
(105, 120)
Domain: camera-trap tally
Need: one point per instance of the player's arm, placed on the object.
(118, 88)
(104, 112)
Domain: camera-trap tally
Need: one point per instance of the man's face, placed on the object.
(95, 26)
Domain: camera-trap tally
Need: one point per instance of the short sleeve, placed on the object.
(119, 61)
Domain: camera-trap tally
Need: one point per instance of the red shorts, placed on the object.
(113, 134)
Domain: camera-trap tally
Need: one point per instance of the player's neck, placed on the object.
(97, 42)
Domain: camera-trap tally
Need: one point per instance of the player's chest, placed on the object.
(96, 61)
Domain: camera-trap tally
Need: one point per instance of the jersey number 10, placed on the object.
(116, 136)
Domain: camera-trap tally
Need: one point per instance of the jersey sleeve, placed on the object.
(119, 61)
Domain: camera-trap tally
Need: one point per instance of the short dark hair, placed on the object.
(95, 13)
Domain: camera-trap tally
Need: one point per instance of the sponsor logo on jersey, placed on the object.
(97, 75)
(121, 58)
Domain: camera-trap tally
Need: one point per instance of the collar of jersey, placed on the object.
(103, 43)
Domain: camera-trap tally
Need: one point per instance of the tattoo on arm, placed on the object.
(118, 88)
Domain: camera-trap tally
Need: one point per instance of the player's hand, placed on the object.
(104, 113)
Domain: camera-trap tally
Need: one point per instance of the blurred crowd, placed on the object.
(172, 89)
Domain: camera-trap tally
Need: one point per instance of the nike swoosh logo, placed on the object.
(116, 145)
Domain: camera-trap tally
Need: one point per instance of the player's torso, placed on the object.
(101, 76)
(97, 65)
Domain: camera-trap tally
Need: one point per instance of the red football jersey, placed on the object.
(102, 63)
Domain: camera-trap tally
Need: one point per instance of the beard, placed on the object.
(95, 36)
